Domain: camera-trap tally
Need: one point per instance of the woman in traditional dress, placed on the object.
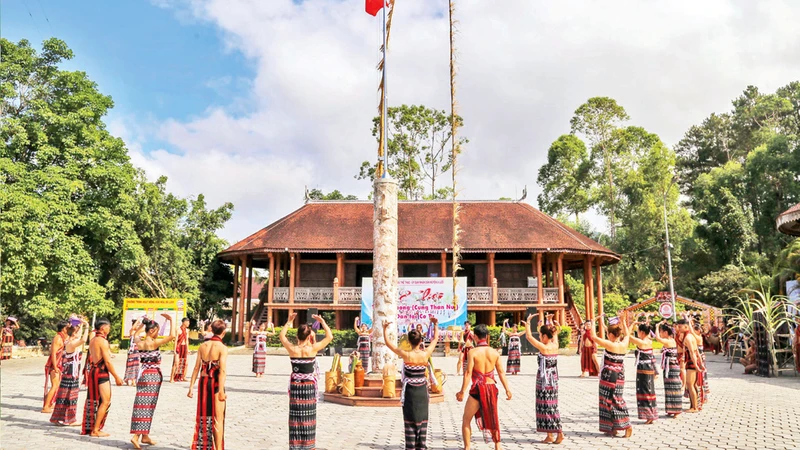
(132, 364)
(548, 419)
(303, 382)
(645, 372)
(414, 397)
(260, 349)
(613, 410)
(148, 383)
(8, 337)
(514, 349)
(364, 343)
(179, 362)
(211, 368)
(673, 393)
(588, 349)
(65, 411)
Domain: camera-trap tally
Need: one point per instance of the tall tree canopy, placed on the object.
(417, 151)
(80, 227)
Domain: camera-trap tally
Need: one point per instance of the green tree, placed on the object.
(565, 178)
(720, 287)
(597, 119)
(417, 150)
(316, 194)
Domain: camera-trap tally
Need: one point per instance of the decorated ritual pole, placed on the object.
(384, 221)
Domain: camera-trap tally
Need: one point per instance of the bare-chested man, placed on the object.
(482, 361)
(693, 363)
(98, 397)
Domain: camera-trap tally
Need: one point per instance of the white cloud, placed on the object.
(523, 68)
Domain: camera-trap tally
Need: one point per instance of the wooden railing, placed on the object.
(517, 295)
(550, 295)
(349, 295)
(313, 295)
(479, 295)
(352, 295)
(280, 295)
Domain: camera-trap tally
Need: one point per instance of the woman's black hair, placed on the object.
(61, 325)
(303, 331)
(149, 324)
(644, 328)
(667, 329)
(547, 330)
(414, 338)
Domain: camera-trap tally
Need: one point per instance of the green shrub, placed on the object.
(564, 337)
(341, 338)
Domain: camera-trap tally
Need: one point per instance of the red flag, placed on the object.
(373, 6)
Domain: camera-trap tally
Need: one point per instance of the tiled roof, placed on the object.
(789, 221)
(424, 226)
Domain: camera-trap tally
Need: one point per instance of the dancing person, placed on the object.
(132, 363)
(613, 410)
(673, 392)
(303, 382)
(98, 398)
(548, 419)
(211, 369)
(421, 332)
(702, 377)
(181, 353)
(53, 368)
(514, 349)
(65, 411)
(464, 346)
(482, 363)
(588, 349)
(148, 382)
(693, 365)
(415, 398)
(8, 337)
(260, 349)
(364, 343)
(645, 372)
(207, 333)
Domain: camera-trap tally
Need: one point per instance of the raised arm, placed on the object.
(284, 340)
(658, 334)
(252, 326)
(529, 335)
(355, 324)
(605, 343)
(390, 344)
(172, 333)
(435, 339)
(328, 334)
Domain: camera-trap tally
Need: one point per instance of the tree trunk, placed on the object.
(384, 272)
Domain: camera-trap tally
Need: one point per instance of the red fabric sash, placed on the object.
(209, 384)
(487, 417)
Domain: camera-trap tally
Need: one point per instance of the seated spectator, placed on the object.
(749, 359)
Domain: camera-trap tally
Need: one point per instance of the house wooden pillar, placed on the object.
(600, 296)
(443, 270)
(340, 268)
(539, 281)
(240, 312)
(560, 281)
(491, 268)
(249, 289)
(291, 262)
(590, 287)
(270, 288)
(235, 297)
(587, 277)
(297, 263)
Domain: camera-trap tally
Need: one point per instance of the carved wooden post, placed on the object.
(494, 291)
(235, 298)
(384, 272)
(600, 296)
(539, 281)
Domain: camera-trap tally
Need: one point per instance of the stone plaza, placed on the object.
(744, 412)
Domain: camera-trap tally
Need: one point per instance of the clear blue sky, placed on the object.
(151, 62)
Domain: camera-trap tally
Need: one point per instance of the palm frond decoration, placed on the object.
(381, 88)
(455, 149)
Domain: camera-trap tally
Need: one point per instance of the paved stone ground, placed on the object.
(745, 412)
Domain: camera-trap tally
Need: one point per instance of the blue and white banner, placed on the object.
(419, 299)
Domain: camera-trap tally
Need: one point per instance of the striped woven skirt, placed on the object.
(205, 420)
(415, 400)
(364, 352)
(65, 411)
(259, 357)
(514, 356)
(302, 414)
(645, 386)
(548, 419)
(613, 409)
(132, 364)
(705, 391)
(8, 345)
(673, 395)
(148, 386)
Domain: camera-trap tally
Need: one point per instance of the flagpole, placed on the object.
(383, 101)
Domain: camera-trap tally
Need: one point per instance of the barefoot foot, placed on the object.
(135, 442)
(628, 433)
(99, 434)
(147, 440)
(559, 438)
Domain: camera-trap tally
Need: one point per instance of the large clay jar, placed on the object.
(358, 373)
(347, 387)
